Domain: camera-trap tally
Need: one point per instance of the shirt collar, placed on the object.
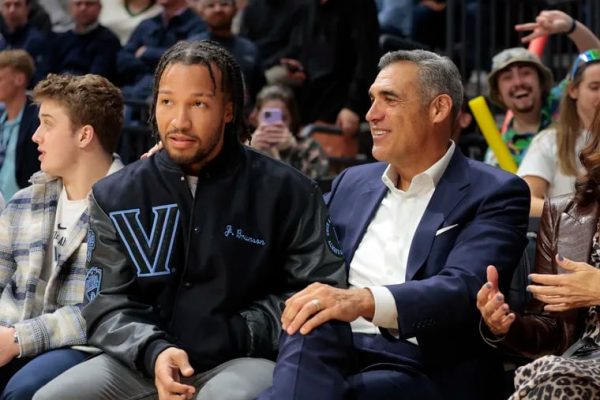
(424, 180)
(87, 29)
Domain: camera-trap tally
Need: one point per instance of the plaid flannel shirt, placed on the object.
(46, 315)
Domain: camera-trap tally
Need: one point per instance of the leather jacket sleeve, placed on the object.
(312, 256)
(117, 323)
(538, 332)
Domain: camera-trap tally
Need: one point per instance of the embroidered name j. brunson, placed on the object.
(239, 234)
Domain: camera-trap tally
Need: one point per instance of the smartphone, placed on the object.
(272, 116)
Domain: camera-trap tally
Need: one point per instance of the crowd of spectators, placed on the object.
(302, 62)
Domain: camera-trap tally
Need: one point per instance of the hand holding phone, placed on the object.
(271, 116)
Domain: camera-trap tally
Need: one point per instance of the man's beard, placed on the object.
(525, 109)
(202, 155)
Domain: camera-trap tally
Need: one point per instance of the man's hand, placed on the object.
(140, 51)
(579, 288)
(348, 121)
(170, 366)
(8, 348)
(155, 149)
(295, 70)
(434, 5)
(490, 302)
(546, 23)
(271, 135)
(319, 303)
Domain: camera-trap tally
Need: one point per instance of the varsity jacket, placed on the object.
(206, 273)
(45, 312)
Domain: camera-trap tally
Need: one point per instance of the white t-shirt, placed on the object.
(68, 213)
(541, 160)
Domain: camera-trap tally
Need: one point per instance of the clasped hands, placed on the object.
(578, 288)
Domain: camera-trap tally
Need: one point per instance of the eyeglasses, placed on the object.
(584, 58)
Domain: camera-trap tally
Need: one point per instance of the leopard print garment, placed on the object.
(556, 377)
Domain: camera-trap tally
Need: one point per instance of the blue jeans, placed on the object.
(38, 371)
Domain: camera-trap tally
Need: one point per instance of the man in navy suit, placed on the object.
(417, 231)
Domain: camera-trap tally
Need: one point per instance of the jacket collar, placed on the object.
(225, 163)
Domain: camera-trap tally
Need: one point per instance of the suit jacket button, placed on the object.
(187, 284)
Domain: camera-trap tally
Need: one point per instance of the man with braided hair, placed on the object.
(194, 250)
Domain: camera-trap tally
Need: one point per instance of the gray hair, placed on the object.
(437, 74)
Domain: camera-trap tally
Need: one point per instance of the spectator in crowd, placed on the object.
(275, 27)
(123, 16)
(338, 59)
(218, 16)
(89, 48)
(58, 14)
(17, 33)
(560, 324)
(39, 17)
(138, 59)
(214, 287)
(552, 161)
(278, 137)
(43, 230)
(429, 22)
(520, 83)
(19, 120)
(395, 17)
(328, 48)
(428, 224)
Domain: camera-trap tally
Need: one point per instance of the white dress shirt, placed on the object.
(382, 254)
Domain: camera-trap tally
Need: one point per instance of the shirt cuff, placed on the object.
(386, 313)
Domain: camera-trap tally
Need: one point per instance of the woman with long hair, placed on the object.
(551, 165)
(560, 327)
(277, 133)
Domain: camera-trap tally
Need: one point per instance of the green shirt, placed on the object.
(518, 143)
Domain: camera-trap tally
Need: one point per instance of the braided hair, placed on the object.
(210, 55)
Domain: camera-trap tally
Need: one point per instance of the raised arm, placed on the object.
(552, 22)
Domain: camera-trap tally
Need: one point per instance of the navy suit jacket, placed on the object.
(485, 211)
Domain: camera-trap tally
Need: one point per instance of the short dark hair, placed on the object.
(89, 100)
(437, 74)
(208, 53)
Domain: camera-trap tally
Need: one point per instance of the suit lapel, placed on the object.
(449, 192)
(367, 205)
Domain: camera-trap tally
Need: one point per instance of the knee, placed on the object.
(332, 333)
(244, 379)
(21, 392)
(21, 387)
(49, 392)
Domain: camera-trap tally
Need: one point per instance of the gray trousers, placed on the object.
(104, 378)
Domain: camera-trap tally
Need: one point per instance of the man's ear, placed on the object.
(440, 108)
(86, 134)
(228, 117)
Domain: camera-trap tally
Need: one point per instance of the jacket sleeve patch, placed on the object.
(331, 239)
(93, 281)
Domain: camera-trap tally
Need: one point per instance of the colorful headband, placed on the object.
(584, 58)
